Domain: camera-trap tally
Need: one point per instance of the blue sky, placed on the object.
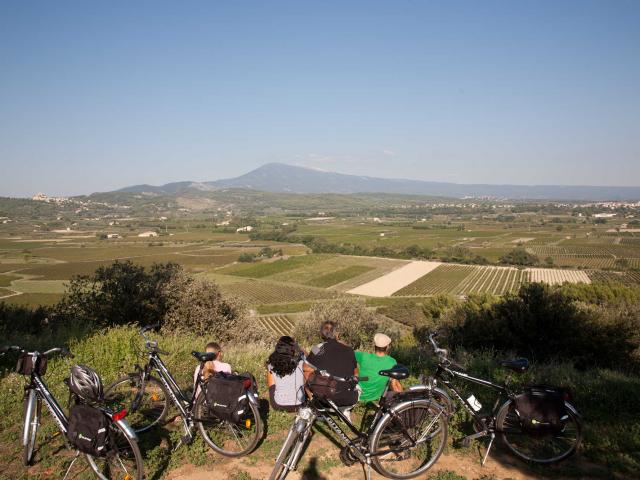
(99, 95)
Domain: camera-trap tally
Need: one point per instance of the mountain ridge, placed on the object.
(284, 178)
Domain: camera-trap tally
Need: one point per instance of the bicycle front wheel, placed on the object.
(544, 449)
(286, 458)
(231, 439)
(409, 440)
(146, 408)
(32, 407)
(123, 461)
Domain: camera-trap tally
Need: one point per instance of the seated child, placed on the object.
(212, 367)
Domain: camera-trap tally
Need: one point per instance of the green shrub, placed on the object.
(118, 294)
(542, 322)
(246, 257)
(519, 256)
(198, 306)
(356, 323)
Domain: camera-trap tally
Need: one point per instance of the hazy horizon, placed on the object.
(99, 97)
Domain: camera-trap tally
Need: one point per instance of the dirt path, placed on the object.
(320, 462)
(393, 281)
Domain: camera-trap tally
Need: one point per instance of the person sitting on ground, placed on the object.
(211, 367)
(285, 376)
(369, 364)
(337, 359)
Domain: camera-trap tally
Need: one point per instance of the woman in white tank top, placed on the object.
(285, 376)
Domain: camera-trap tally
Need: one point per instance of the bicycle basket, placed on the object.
(27, 365)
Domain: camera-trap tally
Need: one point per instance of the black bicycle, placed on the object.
(404, 439)
(538, 445)
(122, 461)
(148, 397)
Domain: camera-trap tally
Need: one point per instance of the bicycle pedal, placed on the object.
(466, 442)
(186, 439)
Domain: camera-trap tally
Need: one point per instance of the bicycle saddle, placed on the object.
(205, 356)
(517, 365)
(398, 372)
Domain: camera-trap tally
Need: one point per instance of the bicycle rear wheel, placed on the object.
(122, 462)
(32, 408)
(410, 440)
(544, 449)
(230, 439)
(151, 405)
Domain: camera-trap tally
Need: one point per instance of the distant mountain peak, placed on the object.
(281, 177)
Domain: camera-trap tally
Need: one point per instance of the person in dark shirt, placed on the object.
(337, 359)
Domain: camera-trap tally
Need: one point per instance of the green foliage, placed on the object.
(17, 319)
(519, 256)
(356, 323)
(406, 312)
(544, 323)
(246, 257)
(198, 306)
(602, 293)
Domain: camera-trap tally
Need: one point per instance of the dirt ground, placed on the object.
(315, 465)
(393, 281)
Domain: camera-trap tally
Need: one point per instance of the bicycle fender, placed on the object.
(252, 397)
(126, 428)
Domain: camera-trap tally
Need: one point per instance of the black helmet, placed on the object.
(86, 383)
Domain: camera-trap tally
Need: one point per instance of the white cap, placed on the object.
(381, 340)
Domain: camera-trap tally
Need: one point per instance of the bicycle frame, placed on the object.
(446, 374)
(42, 392)
(176, 394)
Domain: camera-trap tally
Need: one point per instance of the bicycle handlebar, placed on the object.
(15, 348)
(146, 328)
(62, 351)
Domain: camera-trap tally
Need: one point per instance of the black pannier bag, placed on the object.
(541, 409)
(26, 365)
(226, 396)
(88, 430)
(324, 388)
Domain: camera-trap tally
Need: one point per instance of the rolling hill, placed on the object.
(283, 178)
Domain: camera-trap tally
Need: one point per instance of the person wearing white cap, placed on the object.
(369, 364)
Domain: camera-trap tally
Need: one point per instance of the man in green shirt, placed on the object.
(370, 364)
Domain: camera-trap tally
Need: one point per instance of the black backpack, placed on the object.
(226, 396)
(89, 430)
(541, 410)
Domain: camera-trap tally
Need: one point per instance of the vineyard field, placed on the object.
(257, 292)
(339, 276)
(441, 280)
(465, 279)
(279, 324)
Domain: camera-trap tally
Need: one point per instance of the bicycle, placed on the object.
(123, 459)
(148, 398)
(504, 419)
(401, 431)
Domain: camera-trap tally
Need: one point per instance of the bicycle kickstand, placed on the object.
(493, 436)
